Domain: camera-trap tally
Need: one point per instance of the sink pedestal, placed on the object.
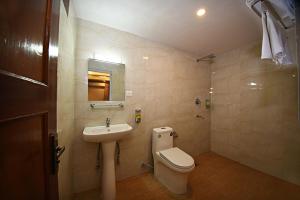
(108, 173)
(107, 136)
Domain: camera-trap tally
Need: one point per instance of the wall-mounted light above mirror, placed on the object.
(106, 81)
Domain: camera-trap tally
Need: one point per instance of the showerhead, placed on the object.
(209, 58)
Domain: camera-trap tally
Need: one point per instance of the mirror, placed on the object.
(106, 81)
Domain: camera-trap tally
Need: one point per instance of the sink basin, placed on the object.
(106, 134)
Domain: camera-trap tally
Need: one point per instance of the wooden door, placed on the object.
(28, 61)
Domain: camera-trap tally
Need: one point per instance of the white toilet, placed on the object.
(171, 165)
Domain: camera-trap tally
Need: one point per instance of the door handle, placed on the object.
(59, 151)
(56, 152)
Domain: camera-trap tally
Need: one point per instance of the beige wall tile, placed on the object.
(65, 99)
(254, 113)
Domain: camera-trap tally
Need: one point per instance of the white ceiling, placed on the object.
(228, 24)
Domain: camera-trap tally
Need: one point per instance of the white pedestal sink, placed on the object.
(107, 136)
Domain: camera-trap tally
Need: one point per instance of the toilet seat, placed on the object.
(176, 159)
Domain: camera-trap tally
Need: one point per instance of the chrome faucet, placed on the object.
(107, 122)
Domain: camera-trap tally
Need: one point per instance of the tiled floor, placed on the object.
(216, 178)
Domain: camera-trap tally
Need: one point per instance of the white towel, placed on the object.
(274, 44)
(266, 50)
(286, 59)
(285, 9)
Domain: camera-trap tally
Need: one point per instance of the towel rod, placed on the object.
(267, 5)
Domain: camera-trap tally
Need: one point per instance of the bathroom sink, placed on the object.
(106, 134)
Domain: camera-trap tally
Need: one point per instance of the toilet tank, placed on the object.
(162, 139)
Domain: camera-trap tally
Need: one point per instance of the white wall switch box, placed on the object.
(128, 93)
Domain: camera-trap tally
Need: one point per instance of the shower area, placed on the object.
(254, 118)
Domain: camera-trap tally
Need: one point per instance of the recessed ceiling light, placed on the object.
(252, 83)
(145, 57)
(201, 12)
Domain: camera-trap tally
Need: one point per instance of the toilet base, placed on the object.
(176, 182)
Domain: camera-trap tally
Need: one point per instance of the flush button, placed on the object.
(159, 136)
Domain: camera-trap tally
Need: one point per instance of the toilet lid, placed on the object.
(177, 157)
